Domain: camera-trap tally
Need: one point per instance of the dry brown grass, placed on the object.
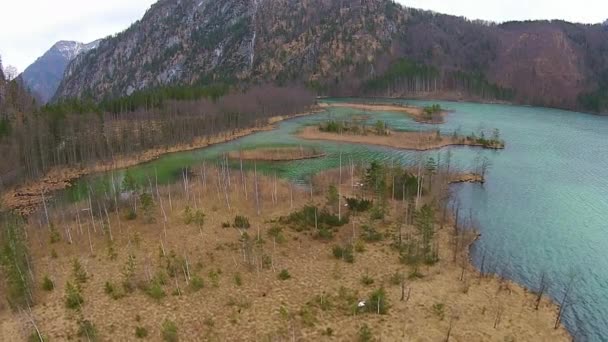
(264, 307)
(277, 154)
(415, 113)
(418, 141)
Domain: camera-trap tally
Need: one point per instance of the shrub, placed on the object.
(47, 284)
(439, 310)
(128, 274)
(333, 197)
(174, 264)
(214, 276)
(365, 334)
(79, 273)
(241, 222)
(276, 233)
(284, 275)
(55, 236)
(378, 213)
(34, 337)
(226, 225)
(397, 278)
(147, 206)
(155, 290)
(377, 302)
(141, 332)
(169, 331)
(311, 217)
(358, 205)
(323, 302)
(367, 280)
(369, 234)
(325, 233)
(197, 217)
(196, 283)
(112, 291)
(73, 298)
(238, 280)
(308, 317)
(131, 215)
(345, 253)
(360, 246)
(87, 329)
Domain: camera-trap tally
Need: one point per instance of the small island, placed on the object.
(382, 135)
(278, 153)
(433, 114)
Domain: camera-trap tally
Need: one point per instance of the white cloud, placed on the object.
(29, 27)
(582, 11)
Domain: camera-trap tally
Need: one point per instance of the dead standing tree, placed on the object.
(566, 300)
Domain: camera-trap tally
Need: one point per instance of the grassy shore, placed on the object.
(233, 257)
(416, 113)
(277, 154)
(418, 141)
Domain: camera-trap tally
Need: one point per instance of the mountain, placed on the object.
(348, 47)
(45, 74)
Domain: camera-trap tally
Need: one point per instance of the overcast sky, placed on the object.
(30, 27)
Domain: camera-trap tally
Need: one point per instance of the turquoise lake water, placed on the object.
(544, 207)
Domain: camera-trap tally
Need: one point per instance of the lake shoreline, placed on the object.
(26, 198)
(414, 141)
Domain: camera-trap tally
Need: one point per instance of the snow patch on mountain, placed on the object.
(71, 49)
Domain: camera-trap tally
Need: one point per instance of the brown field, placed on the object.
(415, 113)
(243, 298)
(277, 154)
(418, 141)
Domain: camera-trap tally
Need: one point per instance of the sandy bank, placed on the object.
(277, 154)
(417, 141)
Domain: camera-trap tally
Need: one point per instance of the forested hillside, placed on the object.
(348, 47)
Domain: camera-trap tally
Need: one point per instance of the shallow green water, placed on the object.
(543, 209)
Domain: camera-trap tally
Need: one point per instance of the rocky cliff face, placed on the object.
(336, 46)
(44, 75)
(194, 41)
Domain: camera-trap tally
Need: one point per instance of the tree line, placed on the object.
(407, 77)
(80, 132)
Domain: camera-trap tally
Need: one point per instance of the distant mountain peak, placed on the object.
(71, 49)
(45, 74)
